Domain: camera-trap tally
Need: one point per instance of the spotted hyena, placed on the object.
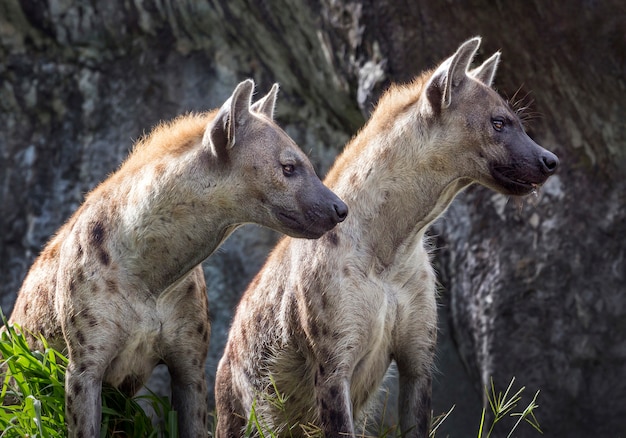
(120, 284)
(323, 320)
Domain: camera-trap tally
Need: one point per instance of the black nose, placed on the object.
(341, 210)
(550, 162)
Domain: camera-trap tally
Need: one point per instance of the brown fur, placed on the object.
(121, 284)
(323, 319)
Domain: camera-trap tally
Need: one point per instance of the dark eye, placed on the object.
(498, 124)
(288, 169)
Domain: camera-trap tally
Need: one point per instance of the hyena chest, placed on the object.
(137, 355)
(376, 343)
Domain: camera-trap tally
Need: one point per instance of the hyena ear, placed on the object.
(450, 74)
(221, 133)
(267, 104)
(487, 71)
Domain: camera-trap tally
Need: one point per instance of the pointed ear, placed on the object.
(220, 133)
(450, 74)
(267, 104)
(487, 71)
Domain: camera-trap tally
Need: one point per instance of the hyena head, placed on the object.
(486, 136)
(274, 179)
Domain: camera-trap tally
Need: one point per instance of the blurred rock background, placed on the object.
(531, 288)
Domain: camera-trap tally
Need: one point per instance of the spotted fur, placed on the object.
(323, 320)
(120, 285)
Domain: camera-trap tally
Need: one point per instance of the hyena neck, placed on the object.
(396, 186)
(169, 219)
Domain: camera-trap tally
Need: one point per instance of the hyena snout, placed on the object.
(322, 211)
(549, 163)
(527, 167)
(328, 211)
(339, 211)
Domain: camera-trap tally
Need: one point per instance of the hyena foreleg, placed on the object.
(82, 390)
(333, 404)
(415, 405)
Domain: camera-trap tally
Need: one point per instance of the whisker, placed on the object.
(522, 105)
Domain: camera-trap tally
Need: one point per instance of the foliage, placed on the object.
(33, 394)
(502, 405)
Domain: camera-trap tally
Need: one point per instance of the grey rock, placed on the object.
(531, 288)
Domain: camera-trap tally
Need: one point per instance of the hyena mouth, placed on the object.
(515, 181)
(306, 227)
(288, 220)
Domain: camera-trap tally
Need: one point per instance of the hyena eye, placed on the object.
(498, 124)
(288, 169)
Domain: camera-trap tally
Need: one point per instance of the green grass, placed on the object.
(32, 402)
(503, 405)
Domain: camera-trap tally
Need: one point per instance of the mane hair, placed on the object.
(397, 99)
(172, 137)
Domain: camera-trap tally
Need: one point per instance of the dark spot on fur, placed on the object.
(80, 337)
(313, 328)
(75, 418)
(80, 275)
(200, 328)
(321, 370)
(92, 321)
(334, 391)
(336, 420)
(79, 250)
(323, 403)
(97, 234)
(104, 257)
(324, 331)
(354, 179)
(431, 349)
(333, 238)
(91, 348)
(323, 300)
(111, 286)
(72, 286)
(81, 434)
(190, 289)
(78, 387)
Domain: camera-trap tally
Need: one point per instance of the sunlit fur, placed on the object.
(323, 319)
(121, 282)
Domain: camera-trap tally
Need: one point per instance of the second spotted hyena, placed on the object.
(323, 320)
(120, 283)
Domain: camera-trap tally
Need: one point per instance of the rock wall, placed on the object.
(531, 288)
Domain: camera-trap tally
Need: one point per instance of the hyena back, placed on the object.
(323, 320)
(120, 285)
